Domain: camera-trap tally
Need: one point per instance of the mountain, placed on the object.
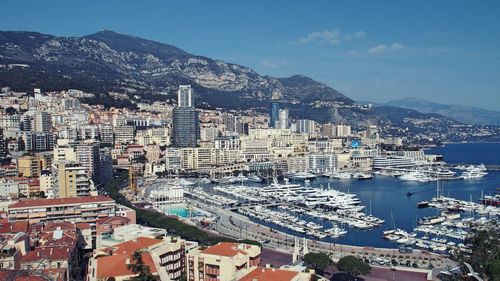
(461, 113)
(109, 61)
(146, 71)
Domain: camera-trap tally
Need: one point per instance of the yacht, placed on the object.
(302, 176)
(341, 175)
(415, 176)
(474, 173)
(254, 178)
(423, 204)
(362, 176)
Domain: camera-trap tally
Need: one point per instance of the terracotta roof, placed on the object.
(51, 226)
(113, 220)
(226, 249)
(269, 274)
(116, 265)
(54, 253)
(83, 225)
(25, 203)
(57, 274)
(131, 246)
(14, 227)
(35, 182)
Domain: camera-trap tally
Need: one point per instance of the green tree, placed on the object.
(138, 267)
(485, 255)
(317, 261)
(353, 265)
(493, 270)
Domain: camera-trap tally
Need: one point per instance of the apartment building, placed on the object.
(222, 262)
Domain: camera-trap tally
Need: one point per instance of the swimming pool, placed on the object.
(179, 211)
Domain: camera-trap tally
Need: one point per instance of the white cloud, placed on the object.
(330, 37)
(355, 35)
(272, 64)
(384, 48)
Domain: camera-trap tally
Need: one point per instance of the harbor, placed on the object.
(384, 211)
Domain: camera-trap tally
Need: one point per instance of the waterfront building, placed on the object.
(224, 261)
(380, 162)
(322, 163)
(166, 196)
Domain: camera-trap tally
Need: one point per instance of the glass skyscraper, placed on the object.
(274, 112)
(186, 124)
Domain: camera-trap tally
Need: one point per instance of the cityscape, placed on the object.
(123, 158)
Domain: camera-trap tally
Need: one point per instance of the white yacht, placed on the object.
(415, 176)
(302, 176)
(341, 175)
(473, 173)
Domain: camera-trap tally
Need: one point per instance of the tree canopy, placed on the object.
(317, 261)
(142, 270)
(485, 255)
(353, 265)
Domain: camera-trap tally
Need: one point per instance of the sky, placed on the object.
(443, 51)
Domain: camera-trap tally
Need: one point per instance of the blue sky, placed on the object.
(443, 51)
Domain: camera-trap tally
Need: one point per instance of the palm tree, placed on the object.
(138, 267)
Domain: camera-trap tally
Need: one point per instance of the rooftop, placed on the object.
(226, 249)
(269, 274)
(116, 265)
(131, 246)
(26, 203)
(14, 227)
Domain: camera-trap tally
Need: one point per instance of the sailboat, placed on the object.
(389, 234)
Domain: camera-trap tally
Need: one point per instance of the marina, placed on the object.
(346, 210)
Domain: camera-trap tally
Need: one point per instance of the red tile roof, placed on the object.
(54, 253)
(51, 226)
(116, 265)
(35, 182)
(269, 274)
(113, 220)
(26, 203)
(83, 225)
(14, 227)
(226, 249)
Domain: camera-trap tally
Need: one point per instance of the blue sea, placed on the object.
(387, 194)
